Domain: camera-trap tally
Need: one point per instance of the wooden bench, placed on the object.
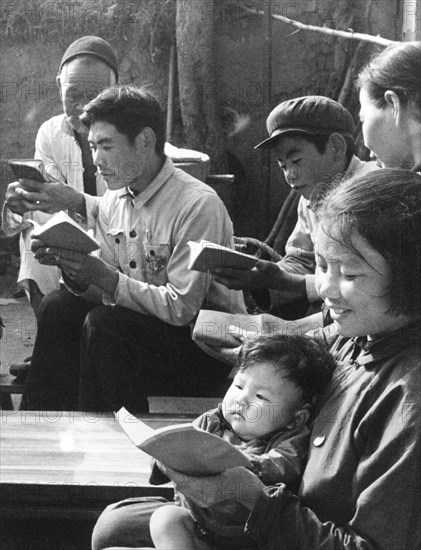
(59, 470)
(71, 460)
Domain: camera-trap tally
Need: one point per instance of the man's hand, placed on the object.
(264, 275)
(39, 248)
(266, 324)
(13, 200)
(227, 355)
(49, 197)
(235, 484)
(80, 270)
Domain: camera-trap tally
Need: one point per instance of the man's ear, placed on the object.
(337, 145)
(301, 417)
(146, 139)
(394, 102)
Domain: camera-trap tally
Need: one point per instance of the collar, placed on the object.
(66, 128)
(159, 181)
(355, 165)
(367, 353)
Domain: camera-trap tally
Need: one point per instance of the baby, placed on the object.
(264, 413)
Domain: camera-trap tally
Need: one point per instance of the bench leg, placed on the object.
(6, 403)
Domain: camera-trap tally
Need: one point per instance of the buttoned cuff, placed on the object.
(109, 299)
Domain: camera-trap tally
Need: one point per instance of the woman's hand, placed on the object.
(238, 484)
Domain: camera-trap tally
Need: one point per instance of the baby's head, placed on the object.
(277, 381)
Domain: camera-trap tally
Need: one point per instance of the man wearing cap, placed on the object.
(312, 138)
(88, 66)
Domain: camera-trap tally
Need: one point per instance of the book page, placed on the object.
(206, 256)
(216, 327)
(183, 447)
(61, 231)
(136, 430)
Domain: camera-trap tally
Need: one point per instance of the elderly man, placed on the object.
(88, 66)
(123, 332)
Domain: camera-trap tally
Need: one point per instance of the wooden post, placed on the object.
(170, 101)
(196, 79)
(266, 157)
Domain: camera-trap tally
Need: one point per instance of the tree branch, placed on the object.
(350, 35)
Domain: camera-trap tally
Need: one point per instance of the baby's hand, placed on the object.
(237, 484)
(253, 447)
(158, 475)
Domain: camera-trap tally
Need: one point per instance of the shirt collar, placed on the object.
(368, 352)
(160, 179)
(66, 127)
(355, 165)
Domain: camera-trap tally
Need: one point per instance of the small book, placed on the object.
(31, 169)
(214, 327)
(183, 447)
(206, 256)
(61, 231)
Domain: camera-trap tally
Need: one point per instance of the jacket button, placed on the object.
(318, 441)
(132, 264)
(117, 240)
(132, 233)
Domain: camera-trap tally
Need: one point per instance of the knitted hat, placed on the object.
(91, 45)
(315, 115)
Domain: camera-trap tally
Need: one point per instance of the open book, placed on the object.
(205, 256)
(183, 447)
(215, 327)
(61, 231)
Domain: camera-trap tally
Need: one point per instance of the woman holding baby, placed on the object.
(361, 485)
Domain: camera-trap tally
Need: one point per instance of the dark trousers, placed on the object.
(100, 358)
(126, 523)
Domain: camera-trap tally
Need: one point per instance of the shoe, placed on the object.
(20, 370)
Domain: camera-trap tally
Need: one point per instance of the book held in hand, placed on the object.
(214, 328)
(206, 256)
(182, 447)
(31, 169)
(61, 231)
